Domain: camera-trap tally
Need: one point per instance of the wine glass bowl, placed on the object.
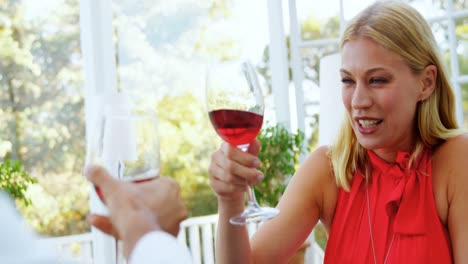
(235, 101)
(126, 143)
(235, 107)
(236, 127)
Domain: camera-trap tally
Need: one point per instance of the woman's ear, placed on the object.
(428, 81)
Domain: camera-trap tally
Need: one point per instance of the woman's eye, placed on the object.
(378, 80)
(347, 81)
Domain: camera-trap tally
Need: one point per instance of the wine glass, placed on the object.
(125, 141)
(235, 106)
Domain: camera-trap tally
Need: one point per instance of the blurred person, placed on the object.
(145, 216)
(393, 187)
(18, 242)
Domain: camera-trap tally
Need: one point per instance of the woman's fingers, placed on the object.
(225, 189)
(244, 158)
(180, 215)
(102, 179)
(163, 196)
(254, 147)
(232, 170)
(102, 223)
(229, 168)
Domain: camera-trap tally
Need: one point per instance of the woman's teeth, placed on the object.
(368, 123)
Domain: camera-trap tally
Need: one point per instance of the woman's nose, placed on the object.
(361, 97)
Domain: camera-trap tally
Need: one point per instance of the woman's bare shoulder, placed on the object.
(450, 167)
(453, 150)
(320, 171)
(450, 162)
(320, 159)
(317, 167)
(460, 139)
(313, 183)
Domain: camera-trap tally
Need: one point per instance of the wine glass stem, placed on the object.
(117, 253)
(252, 201)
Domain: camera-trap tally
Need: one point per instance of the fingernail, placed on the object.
(256, 163)
(224, 147)
(260, 177)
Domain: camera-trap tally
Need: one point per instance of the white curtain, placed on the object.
(331, 106)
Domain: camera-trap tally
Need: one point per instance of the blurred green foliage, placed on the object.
(15, 181)
(58, 207)
(187, 141)
(280, 150)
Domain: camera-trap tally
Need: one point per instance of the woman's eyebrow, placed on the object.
(367, 72)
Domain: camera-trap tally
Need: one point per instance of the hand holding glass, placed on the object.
(235, 105)
(125, 142)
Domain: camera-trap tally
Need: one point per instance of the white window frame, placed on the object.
(100, 79)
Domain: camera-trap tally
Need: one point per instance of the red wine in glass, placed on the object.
(236, 127)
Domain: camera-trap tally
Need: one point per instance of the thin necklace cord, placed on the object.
(371, 233)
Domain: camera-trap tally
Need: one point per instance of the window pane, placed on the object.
(42, 118)
(464, 89)
(429, 8)
(459, 5)
(461, 31)
(318, 19)
(440, 31)
(352, 8)
(311, 57)
(163, 49)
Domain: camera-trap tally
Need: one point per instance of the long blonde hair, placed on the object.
(401, 29)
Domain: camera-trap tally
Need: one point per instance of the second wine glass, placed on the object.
(235, 106)
(125, 142)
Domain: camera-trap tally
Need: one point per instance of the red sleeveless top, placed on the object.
(405, 224)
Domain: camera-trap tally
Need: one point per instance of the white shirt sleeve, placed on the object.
(19, 244)
(158, 247)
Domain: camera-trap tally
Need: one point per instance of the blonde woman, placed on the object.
(394, 187)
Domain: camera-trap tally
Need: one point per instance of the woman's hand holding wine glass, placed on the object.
(235, 106)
